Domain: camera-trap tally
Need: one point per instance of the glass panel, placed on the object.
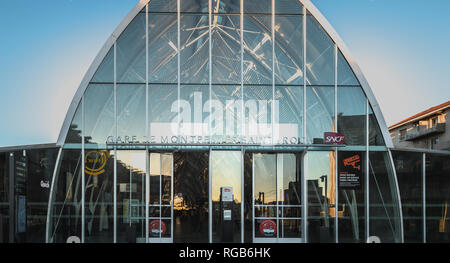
(290, 228)
(105, 72)
(162, 48)
(194, 6)
(226, 195)
(194, 45)
(193, 113)
(257, 49)
(230, 99)
(290, 115)
(352, 115)
(99, 189)
(319, 113)
(352, 197)
(74, 133)
(319, 54)
(375, 135)
(65, 214)
(345, 75)
(162, 112)
(265, 176)
(289, 49)
(131, 113)
(131, 196)
(288, 7)
(438, 198)
(130, 52)
(409, 174)
(191, 194)
(289, 181)
(99, 111)
(226, 6)
(166, 181)
(260, 6)
(155, 178)
(162, 6)
(320, 177)
(384, 207)
(226, 49)
(258, 114)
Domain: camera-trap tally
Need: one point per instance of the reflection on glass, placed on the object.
(408, 166)
(319, 54)
(191, 194)
(130, 52)
(65, 213)
(289, 50)
(352, 198)
(99, 113)
(226, 49)
(131, 196)
(131, 113)
(257, 49)
(226, 195)
(160, 206)
(321, 196)
(194, 46)
(351, 115)
(99, 188)
(384, 210)
(438, 198)
(319, 113)
(277, 196)
(162, 47)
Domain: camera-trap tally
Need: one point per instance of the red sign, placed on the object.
(154, 228)
(333, 138)
(268, 228)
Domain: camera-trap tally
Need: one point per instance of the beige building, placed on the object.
(429, 129)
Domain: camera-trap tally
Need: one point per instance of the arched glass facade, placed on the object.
(204, 121)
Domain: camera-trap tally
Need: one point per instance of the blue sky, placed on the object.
(46, 46)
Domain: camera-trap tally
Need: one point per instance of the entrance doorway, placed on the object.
(277, 198)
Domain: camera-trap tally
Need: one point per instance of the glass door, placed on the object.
(160, 198)
(277, 199)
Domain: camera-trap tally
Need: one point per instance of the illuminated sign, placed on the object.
(333, 138)
(95, 162)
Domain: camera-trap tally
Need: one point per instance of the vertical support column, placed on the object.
(115, 147)
(241, 19)
(179, 66)
(367, 172)
(210, 61)
(241, 22)
(424, 197)
(304, 155)
(253, 197)
(242, 193)
(305, 195)
(12, 221)
(147, 129)
(336, 176)
(83, 182)
(273, 80)
(304, 75)
(210, 196)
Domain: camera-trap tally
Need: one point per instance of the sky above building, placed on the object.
(46, 46)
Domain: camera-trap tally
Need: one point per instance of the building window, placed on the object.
(434, 143)
(402, 134)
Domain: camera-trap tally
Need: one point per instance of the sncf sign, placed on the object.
(334, 138)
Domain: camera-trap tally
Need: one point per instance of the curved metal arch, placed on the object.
(306, 3)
